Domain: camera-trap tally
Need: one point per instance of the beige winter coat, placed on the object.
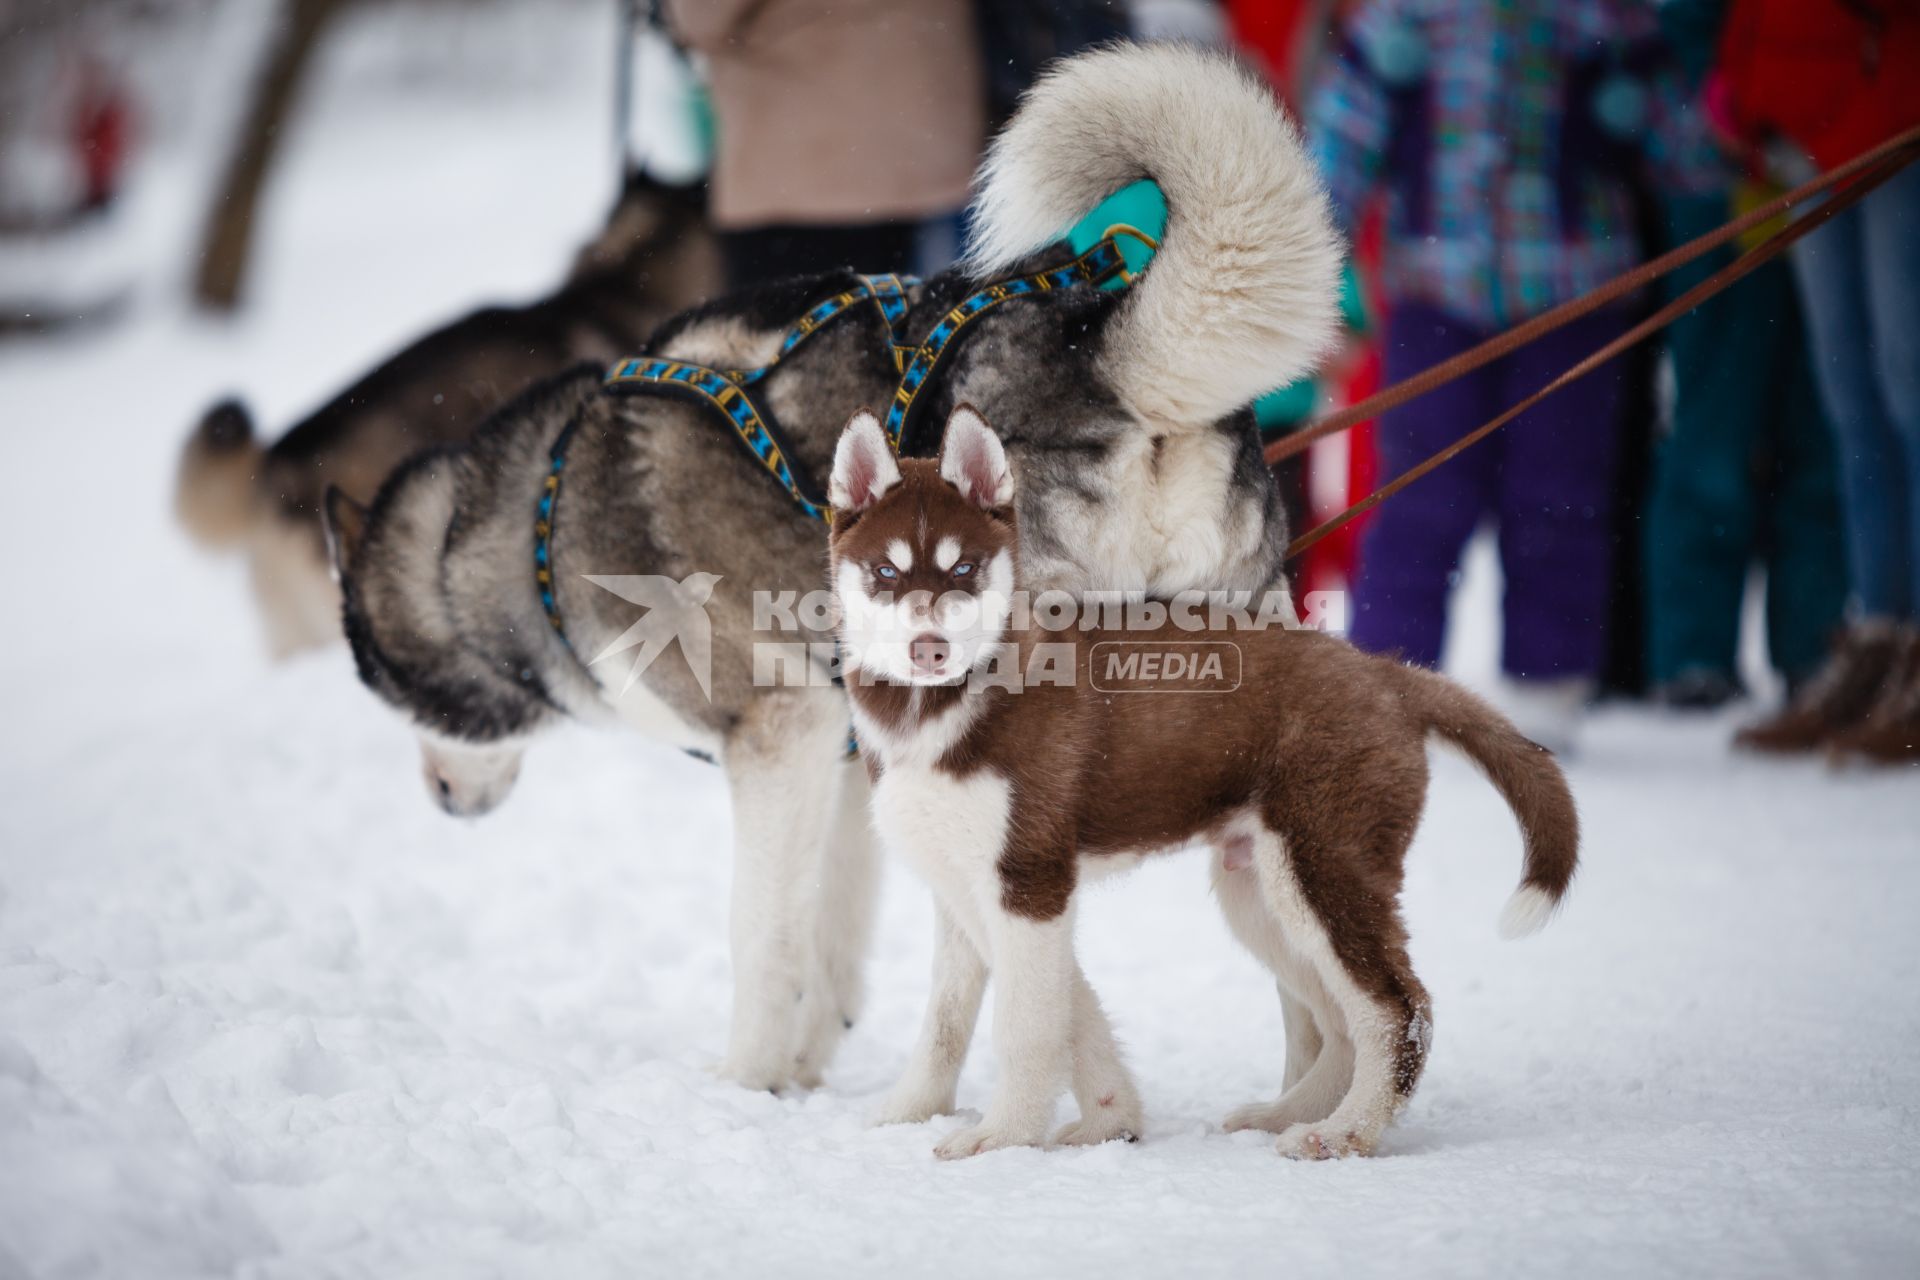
(838, 111)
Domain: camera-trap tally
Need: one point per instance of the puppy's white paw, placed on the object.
(1271, 1117)
(1324, 1142)
(980, 1138)
(1113, 1114)
(1104, 1126)
(913, 1106)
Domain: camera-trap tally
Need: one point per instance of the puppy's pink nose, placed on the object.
(929, 652)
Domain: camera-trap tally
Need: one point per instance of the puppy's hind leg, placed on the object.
(843, 925)
(1357, 947)
(1304, 1040)
(1319, 1064)
(781, 761)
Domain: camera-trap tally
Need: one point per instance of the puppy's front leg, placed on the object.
(953, 1008)
(1033, 969)
(1109, 1102)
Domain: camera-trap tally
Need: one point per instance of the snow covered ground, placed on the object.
(264, 1011)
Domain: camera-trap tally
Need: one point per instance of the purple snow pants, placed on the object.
(1546, 478)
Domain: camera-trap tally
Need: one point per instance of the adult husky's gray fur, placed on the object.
(1138, 470)
(655, 257)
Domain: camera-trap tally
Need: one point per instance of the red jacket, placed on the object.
(1836, 76)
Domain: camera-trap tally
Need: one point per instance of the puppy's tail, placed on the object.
(1526, 776)
(1243, 295)
(213, 493)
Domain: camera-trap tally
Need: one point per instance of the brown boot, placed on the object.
(1891, 732)
(1839, 697)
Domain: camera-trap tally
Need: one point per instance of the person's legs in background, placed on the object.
(1891, 219)
(1890, 234)
(1834, 276)
(756, 255)
(1700, 513)
(1805, 553)
(1555, 508)
(1837, 277)
(1412, 549)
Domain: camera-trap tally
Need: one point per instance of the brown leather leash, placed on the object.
(1865, 171)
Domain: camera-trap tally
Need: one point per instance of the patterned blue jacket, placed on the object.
(1506, 134)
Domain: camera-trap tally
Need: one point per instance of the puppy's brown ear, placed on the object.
(344, 521)
(973, 461)
(863, 465)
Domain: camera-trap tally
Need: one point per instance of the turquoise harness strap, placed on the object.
(726, 390)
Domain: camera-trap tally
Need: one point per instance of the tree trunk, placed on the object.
(229, 235)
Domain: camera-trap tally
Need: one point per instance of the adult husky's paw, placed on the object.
(821, 1028)
(978, 1139)
(1324, 1142)
(757, 1074)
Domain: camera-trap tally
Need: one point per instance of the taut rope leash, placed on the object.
(1567, 312)
(1887, 160)
(1867, 171)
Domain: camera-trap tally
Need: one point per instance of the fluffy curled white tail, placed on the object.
(1243, 296)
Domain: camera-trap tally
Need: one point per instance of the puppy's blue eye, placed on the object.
(962, 569)
(887, 571)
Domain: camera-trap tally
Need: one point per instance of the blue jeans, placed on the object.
(1860, 280)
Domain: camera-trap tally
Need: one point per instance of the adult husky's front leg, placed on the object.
(782, 761)
(843, 924)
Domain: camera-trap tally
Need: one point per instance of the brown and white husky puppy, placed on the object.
(1299, 759)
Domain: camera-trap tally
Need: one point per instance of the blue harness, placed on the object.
(727, 391)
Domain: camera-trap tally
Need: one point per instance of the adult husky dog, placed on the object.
(655, 256)
(1139, 470)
